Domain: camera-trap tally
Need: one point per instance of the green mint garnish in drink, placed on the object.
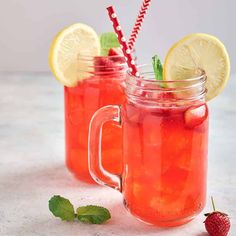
(157, 67)
(62, 208)
(108, 40)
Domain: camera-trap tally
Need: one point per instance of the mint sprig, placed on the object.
(108, 40)
(93, 214)
(157, 67)
(62, 208)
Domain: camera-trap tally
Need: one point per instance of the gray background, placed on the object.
(28, 26)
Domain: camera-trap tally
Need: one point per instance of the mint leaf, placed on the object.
(157, 67)
(108, 40)
(62, 208)
(93, 214)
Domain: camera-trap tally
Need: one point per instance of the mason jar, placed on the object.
(164, 147)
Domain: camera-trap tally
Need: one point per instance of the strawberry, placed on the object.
(195, 115)
(116, 55)
(217, 223)
(104, 64)
(115, 52)
(166, 96)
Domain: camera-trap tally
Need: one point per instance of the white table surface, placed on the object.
(32, 165)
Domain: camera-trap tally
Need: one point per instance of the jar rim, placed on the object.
(89, 57)
(146, 89)
(143, 76)
(101, 65)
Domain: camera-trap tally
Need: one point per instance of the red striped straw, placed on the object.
(122, 40)
(138, 23)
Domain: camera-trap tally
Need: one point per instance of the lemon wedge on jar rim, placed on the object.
(73, 41)
(199, 52)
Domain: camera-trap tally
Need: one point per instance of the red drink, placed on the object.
(165, 182)
(103, 87)
(165, 142)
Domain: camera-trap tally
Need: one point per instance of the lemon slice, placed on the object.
(199, 52)
(75, 40)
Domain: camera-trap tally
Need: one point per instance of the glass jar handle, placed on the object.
(98, 173)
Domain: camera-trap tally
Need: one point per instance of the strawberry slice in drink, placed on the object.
(115, 52)
(104, 64)
(166, 101)
(195, 116)
(116, 55)
(109, 64)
